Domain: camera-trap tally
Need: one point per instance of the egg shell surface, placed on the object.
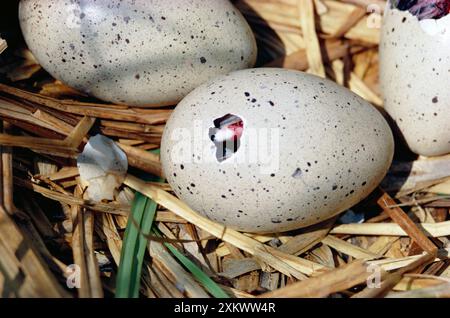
(137, 52)
(309, 149)
(415, 79)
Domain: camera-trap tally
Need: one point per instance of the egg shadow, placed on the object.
(270, 46)
(397, 175)
(9, 25)
(11, 32)
(401, 167)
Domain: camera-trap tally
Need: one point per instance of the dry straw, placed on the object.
(47, 223)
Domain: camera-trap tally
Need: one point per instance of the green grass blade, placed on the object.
(134, 244)
(204, 279)
(147, 222)
(126, 276)
(210, 285)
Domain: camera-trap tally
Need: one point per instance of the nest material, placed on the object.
(47, 226)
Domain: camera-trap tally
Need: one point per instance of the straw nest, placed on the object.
(52, 237)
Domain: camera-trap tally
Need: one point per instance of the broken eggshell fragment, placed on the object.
(271, 150)
(415, 79)
(103, 167)
(137, 52)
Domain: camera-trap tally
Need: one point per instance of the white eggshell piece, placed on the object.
(137, 52)
(102, 166)
(415, 79)
(309, 150)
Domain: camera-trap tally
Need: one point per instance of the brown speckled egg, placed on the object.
(415, 79)
(271, 150)
(137, 52)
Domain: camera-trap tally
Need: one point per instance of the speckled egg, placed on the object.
(415, 79)
(271, 150)
(137, 52)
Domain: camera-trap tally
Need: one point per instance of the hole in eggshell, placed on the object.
(226, 135)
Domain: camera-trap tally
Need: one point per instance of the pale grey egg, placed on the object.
(415, 79)
(271, 150)
(137, 52)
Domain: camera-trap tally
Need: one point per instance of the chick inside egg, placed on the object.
(226, 135)
(424, 9)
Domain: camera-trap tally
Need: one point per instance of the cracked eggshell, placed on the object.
(103, 167)
(137, 52)
(415, 79)
(309, 150)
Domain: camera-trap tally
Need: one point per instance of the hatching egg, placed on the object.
(271, 150)
(137, 52)
(415, 79)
